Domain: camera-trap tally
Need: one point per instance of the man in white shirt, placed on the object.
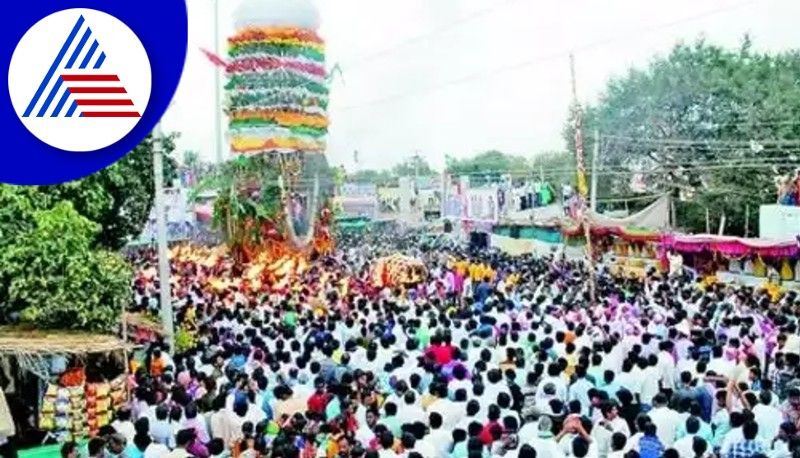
(665, 419)
(685, 445)
(629, 379)
(449, 410)
(554, 378)
(735, 435)
(767, 417)
(123, 424)
(666, 366)
(649, 380)
(579, 390)
(544, 443)
(410, 412)
(441, 438)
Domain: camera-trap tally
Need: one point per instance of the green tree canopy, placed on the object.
(55, 271)
(415, 165)
(711, 125)
(51, 275)
(119, 197)
(488, 163)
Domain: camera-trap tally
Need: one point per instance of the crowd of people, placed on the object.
(491, 356)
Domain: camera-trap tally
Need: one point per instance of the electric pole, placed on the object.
(161, 230)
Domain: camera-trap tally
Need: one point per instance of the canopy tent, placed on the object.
(548, 216)
(352, 223)
(33, 348)
(646, 225)
(732, 246)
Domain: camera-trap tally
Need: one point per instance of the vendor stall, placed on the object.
(81, 379)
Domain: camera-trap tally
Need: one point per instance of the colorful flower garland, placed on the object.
(277, 94)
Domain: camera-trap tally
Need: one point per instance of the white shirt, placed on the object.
(449, 410)
(721, 366)
(735, 435)
(546, 448)
(579, 391)
(769, 422)
(387, 453)
(557, 382)
(666, 370)
(666, 421)
(425, 448)
(411, 413)
(155, 450)
(631, 381)
(649, 385)
(684, 446)
(442, 440)
(125, 428)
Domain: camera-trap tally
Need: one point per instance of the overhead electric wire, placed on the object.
(701, 142)
(516, 66)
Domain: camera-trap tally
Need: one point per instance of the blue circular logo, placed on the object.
(87, 81)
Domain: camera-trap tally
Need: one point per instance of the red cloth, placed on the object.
(317, 402)
(442, 354)
(486, 433)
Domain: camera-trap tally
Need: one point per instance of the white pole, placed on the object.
(163, 249)
(595, 160)
(747, 220)
(217, 84)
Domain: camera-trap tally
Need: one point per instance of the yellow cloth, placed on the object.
(773, 290)
(786, 271)
(759, 268)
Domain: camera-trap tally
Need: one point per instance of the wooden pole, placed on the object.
(708, 222)
(580, 162)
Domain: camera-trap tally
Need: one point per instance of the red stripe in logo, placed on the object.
(90, 77)
(104, 102)
(111, 114)
(98, 90)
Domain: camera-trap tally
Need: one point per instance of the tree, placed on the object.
(555, 166)
(53, 278)
(710, 125)
(415, 165)
(119, 197)
(376, 177)
(487, 166)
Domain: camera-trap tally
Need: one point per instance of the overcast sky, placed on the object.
(459, 77)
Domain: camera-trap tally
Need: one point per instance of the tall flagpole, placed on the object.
(582, 215)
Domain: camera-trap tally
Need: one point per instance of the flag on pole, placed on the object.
(583, 190)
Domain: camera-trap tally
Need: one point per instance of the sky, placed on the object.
(458, 77)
